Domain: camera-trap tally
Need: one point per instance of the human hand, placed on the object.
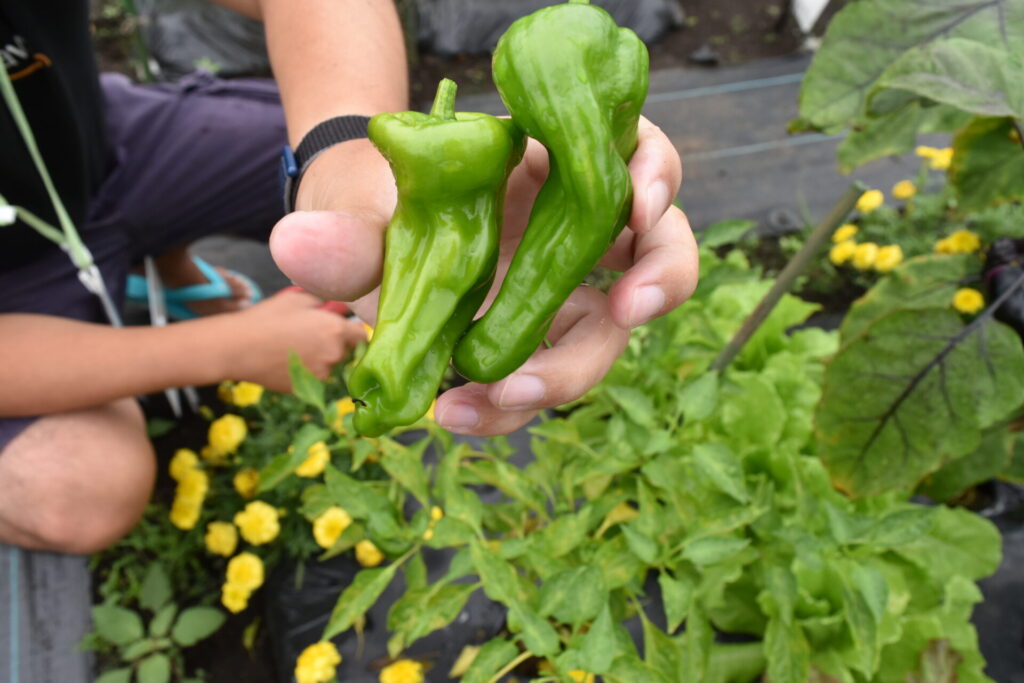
(337, 251)
(291, 320)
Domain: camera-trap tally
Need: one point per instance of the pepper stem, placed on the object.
(444, 101)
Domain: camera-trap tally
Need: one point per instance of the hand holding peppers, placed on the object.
(441, 251)
(336, 251)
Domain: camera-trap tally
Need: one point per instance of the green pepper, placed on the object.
(440, 254)
(575, 81)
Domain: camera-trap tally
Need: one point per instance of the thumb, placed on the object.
(334, 254)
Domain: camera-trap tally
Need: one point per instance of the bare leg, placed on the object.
(76, 482)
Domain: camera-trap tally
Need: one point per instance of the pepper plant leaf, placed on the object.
(360, 595)
(491, 658)
(912, 391)
(988, 163)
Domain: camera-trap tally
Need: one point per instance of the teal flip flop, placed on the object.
(216, 287)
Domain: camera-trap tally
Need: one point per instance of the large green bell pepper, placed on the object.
(441, 250)
(575, 81)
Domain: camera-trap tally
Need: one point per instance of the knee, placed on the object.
(95, 491)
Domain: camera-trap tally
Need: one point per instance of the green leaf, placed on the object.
(697, 641)
(865, 37)
(155, 669)
(986, 462)
(156, 590)
(787, 651)
(752, 413)
(618, 565)
(360, 595)
(978, 77)
(921, 283)
(699, 398)
(195, 624)
(116, 676)
(726, 232)
(676, 596)
(638, 406)
(492, 658)
(573, 596)
(161, 624)
(720, 465)
(140, 648)
(538, 635)
(424, 610)
(564, 534)
(405, 465)
(960, 543)
(896, 132)
(915, 389)
(988, 164)
(509, 480)
(713, 549)
(600, 646)
(278, 469)
(498, 576)
(159, 426)
(642, 546)
(305, 385)
(117, 625)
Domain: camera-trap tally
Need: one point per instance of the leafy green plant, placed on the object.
(890, 70)
(150, 653)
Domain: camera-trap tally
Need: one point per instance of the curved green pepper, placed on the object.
(575, 81)
(440, 255)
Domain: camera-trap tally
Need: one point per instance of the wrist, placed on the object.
(353, 176)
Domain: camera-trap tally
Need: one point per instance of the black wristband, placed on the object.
(323, 136)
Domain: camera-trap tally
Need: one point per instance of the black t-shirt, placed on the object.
(47, 49)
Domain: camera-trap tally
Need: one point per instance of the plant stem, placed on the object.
(510, 666)
(796, 266)
(444, 100)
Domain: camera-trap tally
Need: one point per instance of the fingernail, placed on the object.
(647, 302)
(458, 416)
(521, 391)
(658, 199)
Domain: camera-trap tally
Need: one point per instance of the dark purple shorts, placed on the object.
(194, 158)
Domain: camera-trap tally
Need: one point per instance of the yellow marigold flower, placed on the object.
(904, 189)
(318, 457)
(317, 663)
(246, 481)
(185, 513)
(842, 252)
(402, 671)
(183, 460)
(226, 434)
(926, 152)
(258, 522)
(193, 486)
(234, 598)
(969, 301)
(367, 554)
(844, 232)
(221, 538)
(246, 394)
(864, 255)
(245, 570)
(224, 391)
(330, 525)
(870, 200)
(888, 258)
(964, 242)
(942, 159)
(436, 513)
(343, 407)
(428, 534)
(581, 676)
